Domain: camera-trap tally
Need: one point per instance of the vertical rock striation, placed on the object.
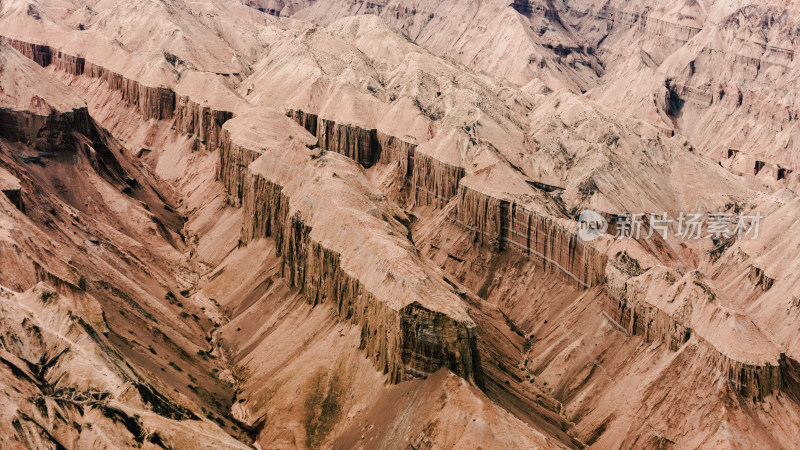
(695, 313)
(45, 133)
(503, 224)
(160, 103)
(232, 167)
(351, 254)
(358, 144)
(200, 121)
(435, 182)
(151, 102)
(40, 54)
(643, 319)
(394, 150)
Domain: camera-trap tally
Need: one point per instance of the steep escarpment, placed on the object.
(153, 102)
(365, 146)
(505, 224)
(200, 104)
(662, 306)
(200, 121)
(232, 168)
(411, 322)
(203, 104)
(34, 109)
(433, 182)
(45, 132)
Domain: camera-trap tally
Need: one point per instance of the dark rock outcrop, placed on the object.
(45, 133)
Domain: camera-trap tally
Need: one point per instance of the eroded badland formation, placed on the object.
(349, 224)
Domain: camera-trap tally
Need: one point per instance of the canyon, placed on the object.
(354, 225)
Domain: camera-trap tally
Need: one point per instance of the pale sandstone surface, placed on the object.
(283, 248)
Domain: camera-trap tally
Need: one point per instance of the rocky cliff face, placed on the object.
(502, 224)
(404, 340)
(232, 167)
(396, 151)
(45, 133)
(753, 376)
(498, 223)
(365, 146)
(151, 101)
(200, 121)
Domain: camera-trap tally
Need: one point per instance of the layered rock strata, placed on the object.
(435, 183)
(365, 146)
(340, 241)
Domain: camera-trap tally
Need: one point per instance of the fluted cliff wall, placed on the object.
(655, 325)
(359, 144)
(435, 182)
(40, 54)
(201, 122)
(644, 319)
(11, 188)
(151, 102)
(45, 133)
(502, 224)
(403, 342)
(45, 55)
(306, 120)
(626, 20)
(394, 150)
(365, 146)
(232, 167)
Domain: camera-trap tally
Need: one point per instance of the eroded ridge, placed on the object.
(663, 306)
(194, 115)
(341, 241)
(502, 223)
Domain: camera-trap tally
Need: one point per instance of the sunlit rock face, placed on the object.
(359, 225)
